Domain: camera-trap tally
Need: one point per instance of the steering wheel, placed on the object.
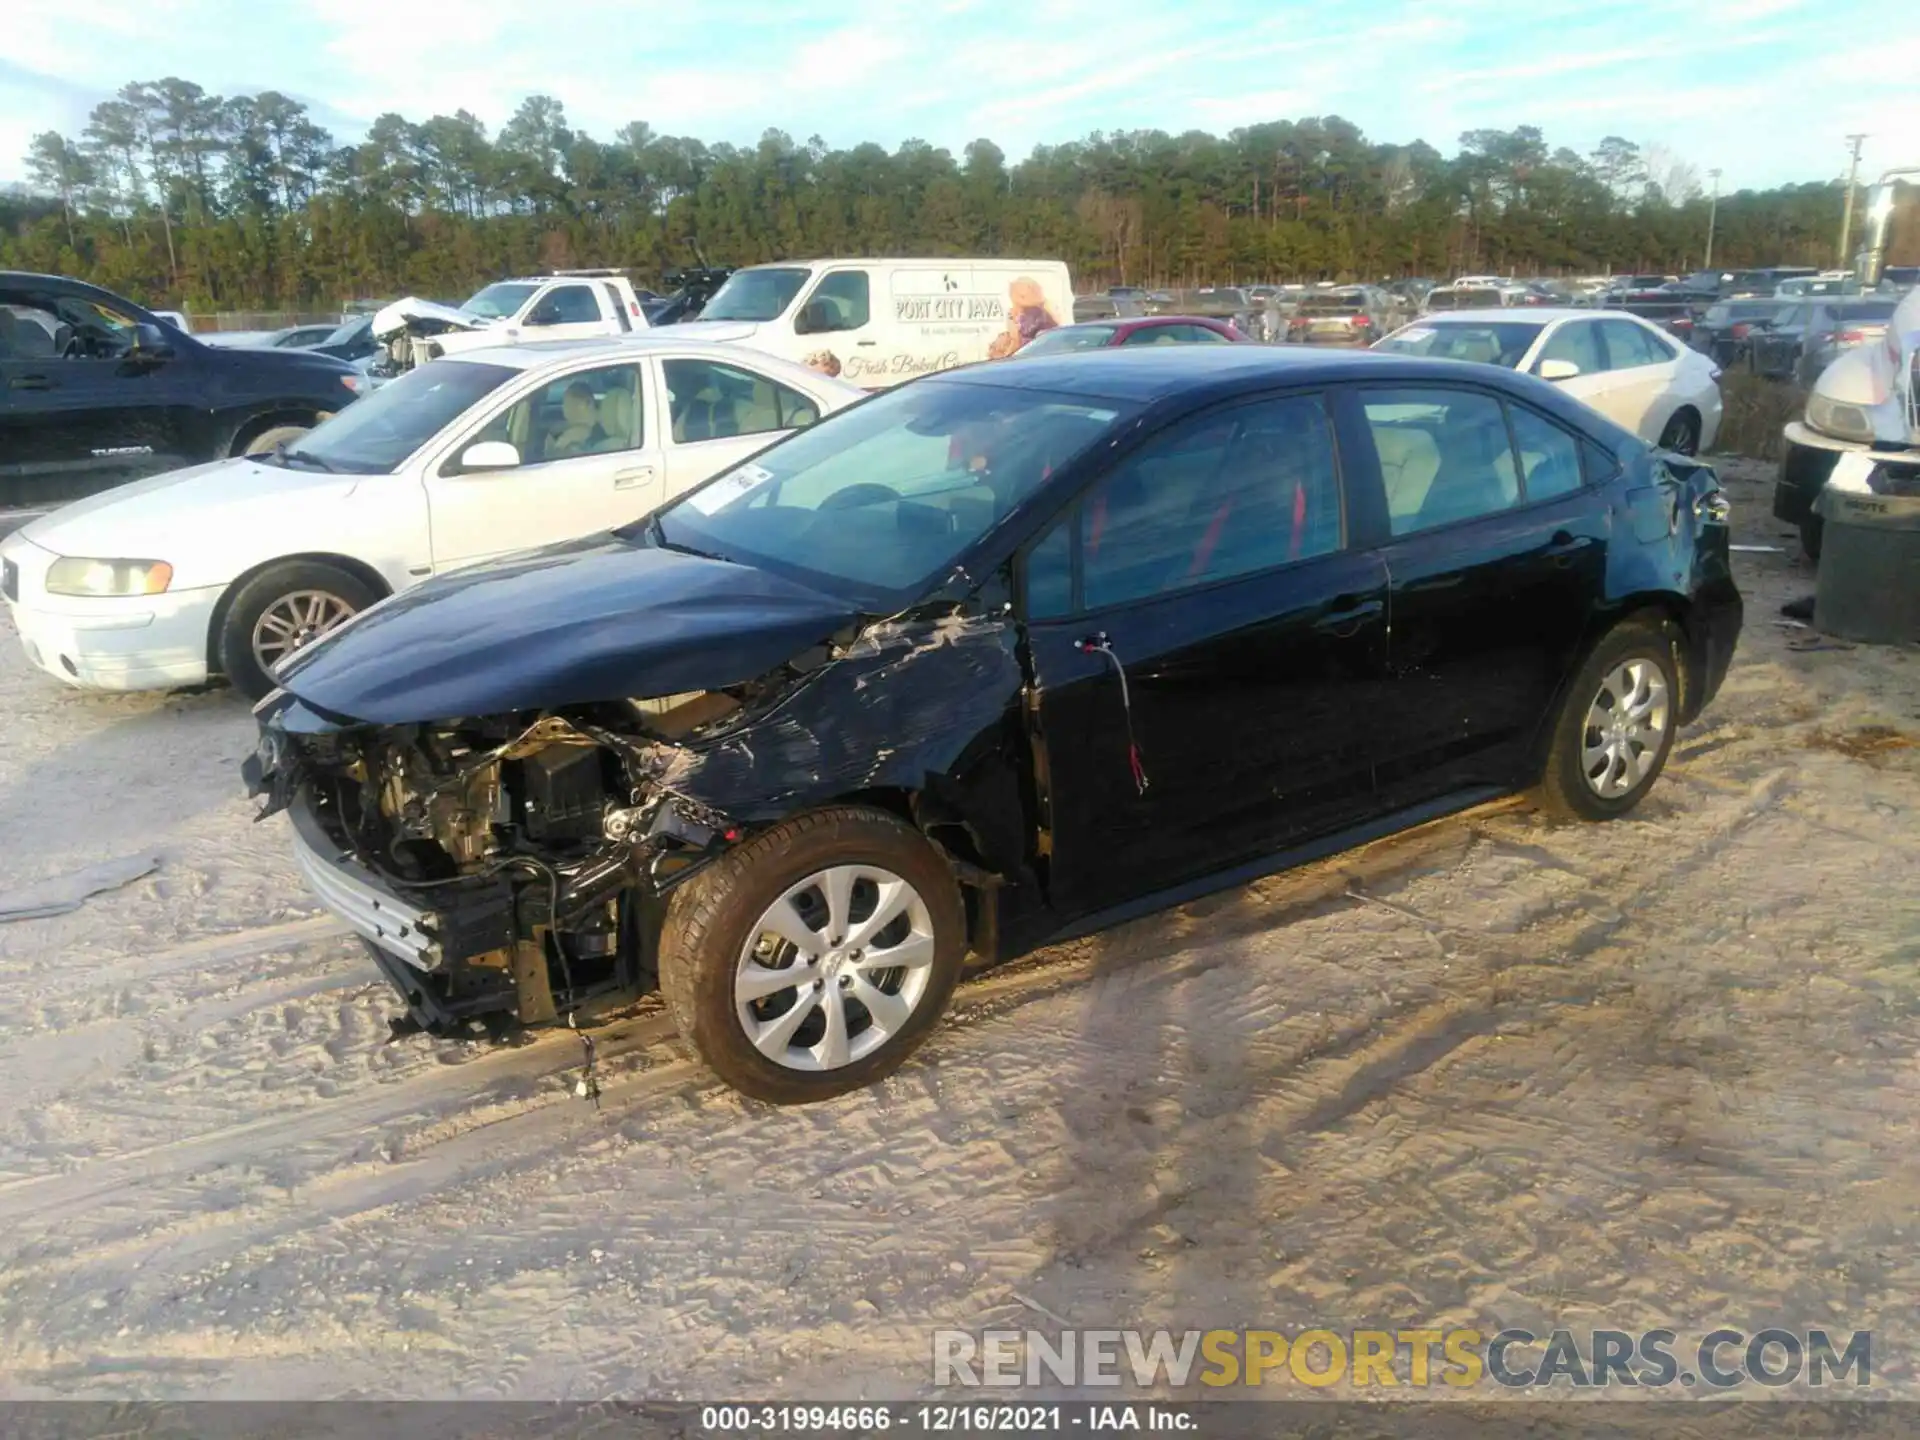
(73, 349)
(868, 492)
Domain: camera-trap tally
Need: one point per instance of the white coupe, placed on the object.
(227, 568)
(1634, 373)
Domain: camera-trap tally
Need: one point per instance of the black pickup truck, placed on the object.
(95, 391)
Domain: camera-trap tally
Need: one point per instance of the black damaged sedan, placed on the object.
(996, 657)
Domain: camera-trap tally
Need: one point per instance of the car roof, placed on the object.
(529, 355)
(1199, 373)
(1514, 315)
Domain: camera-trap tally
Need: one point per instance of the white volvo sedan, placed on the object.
(1634, 373)
(225, 569)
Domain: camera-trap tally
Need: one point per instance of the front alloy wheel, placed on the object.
(815, 957)
(292, 621)
(834, 968)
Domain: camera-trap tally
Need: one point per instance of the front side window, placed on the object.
(39, 326)
(709, 401)
(566, 305)
(1229, 493)
(1444, 456)
(376, 434)
(842, 302)
(1549, 456)
(591, 412)
(755, 295)
(1576, 342)
(878, 499)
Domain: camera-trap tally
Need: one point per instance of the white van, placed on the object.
(875, 323)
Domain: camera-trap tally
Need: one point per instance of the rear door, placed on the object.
(717, 415)
(1496, 555)
(590, 459)
(1207, 652)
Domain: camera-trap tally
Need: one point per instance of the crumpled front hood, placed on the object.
(571, 624)
(390, 320)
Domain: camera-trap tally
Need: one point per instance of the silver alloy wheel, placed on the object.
(835, 968)
(1626, 725)
(293, 620)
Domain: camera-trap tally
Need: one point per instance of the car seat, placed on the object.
(616, 421)
(1409, 460)
(580, 415)
(1475, 477)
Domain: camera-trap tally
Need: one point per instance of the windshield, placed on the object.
(755, 295)
(497, 302)
(349, 332)
(375, 434)
(1068, 337)
(1492, 342)
(1475, 298)
(880, 499)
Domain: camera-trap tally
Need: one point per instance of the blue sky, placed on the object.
(1763, 89)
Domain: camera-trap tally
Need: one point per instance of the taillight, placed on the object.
(1849, 337)
(1360, 322)
(1740, 332)
(1681, 324)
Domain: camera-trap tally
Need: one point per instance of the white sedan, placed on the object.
(1634, 373)
(229, 567)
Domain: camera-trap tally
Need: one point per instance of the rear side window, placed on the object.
(710, 401)
(1577, 342)
(1444, 456)
(1630, 346)
(1549, 456)
(1224, 494)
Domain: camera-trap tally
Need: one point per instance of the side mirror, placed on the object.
(151, 342)
(489, 455)
(1556, 370)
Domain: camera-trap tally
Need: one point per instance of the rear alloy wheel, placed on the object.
(1616, 724)
(1682, 435)
(283, 609)
(815, 958)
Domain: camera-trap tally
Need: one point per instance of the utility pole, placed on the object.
(1713, 211)
(1846, 212)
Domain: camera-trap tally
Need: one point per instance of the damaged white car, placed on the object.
(567, 305)
(1867, 402)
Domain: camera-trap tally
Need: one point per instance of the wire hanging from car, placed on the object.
(1103, 645)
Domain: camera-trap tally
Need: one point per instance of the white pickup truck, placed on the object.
(566, 305)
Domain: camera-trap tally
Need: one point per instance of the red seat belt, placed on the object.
(1203, 552)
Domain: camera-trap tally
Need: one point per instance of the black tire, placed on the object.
(708, 924)
(1565, 791)
(267, 441)
(1812, 529)
(256, 596)
(1682, 435)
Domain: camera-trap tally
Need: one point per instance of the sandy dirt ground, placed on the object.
(1496, 1072)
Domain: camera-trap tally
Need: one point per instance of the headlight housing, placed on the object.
(74, 575)
(1833, 417)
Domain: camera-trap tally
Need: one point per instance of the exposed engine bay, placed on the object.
(532, 843)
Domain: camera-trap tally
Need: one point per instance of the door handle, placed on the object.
(866, 342)
(30, 382)
(632, 477)
(1346, 621)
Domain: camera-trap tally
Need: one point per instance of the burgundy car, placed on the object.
(1145, 330)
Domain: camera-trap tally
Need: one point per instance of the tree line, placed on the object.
(177, 196)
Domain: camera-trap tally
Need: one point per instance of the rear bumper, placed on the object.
(1713, 634)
